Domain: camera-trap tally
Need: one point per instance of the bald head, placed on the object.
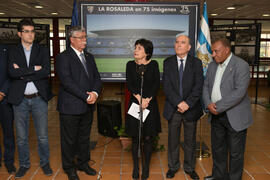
(221, 50)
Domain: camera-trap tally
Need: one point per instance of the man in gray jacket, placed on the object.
(225, 96)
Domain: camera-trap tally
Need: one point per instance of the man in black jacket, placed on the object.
(29, 69)
(80, 85)
(182, 83)
(6, 114)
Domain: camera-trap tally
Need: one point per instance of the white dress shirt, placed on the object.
(179, 62)
(79, 56)
(216, 94)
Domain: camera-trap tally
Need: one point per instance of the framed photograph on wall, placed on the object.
(9, 36)
(245, 52)
(245, 37)
(218, 34)
(113, 28)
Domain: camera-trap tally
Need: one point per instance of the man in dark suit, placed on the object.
(225, 96)
(29, 69)
(80, 85)
(182, 84)
(6, 114)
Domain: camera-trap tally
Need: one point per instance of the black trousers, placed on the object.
(174, 128)
(227, 143)
(146, 150)
(6, 119)
(75, 139)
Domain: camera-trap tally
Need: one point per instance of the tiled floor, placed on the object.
(114, 163)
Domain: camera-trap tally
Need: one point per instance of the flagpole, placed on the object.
(203, 53)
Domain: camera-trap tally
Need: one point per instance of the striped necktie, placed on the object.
(84, 63)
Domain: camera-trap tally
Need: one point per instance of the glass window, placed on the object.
(244, 21)
(4, 19)
(62, 34)
(263, 49)
(263, 35)
(15, 20)
(62, 45)
(51, 47)
(265, 25)
(222, 22)
(52, 68)
(267, 49)
(45, 21)
(62, 24)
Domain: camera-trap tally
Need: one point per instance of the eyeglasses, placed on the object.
(82, 37)
(27, 31)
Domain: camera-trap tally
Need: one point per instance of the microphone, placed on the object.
(141, 69)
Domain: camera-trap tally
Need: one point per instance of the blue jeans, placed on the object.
(39, 109)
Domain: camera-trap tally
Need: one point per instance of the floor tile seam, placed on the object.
(99, 176)
(155, 173)
(249, 174)
(266, 154)
(57, 172)
(260, 164)
(259, 173)
(10, 176)
(161, 166)
(202, 167)
(35, 173)
(121, 161)
(112, 157)
(185, 176)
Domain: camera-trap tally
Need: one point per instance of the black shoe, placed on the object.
(193, 175)
(209, 178)
(47, 170)
(135, 173)
(10, 168)
(21, 172)
(170, 174)
(72, 175)
(88, 170)
(145, 174)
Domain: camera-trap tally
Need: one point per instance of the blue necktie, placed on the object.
(181, 70)
(84, 63)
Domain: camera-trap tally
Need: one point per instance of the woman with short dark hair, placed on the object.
(143, 66)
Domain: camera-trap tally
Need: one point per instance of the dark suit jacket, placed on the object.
(192, 87)
(4, 79)
(74, 82)
(24, 74)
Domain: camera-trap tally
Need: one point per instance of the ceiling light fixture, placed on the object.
(213, 14)
(54, 13)
(231, 8)
(266, 15)
(2, 13)
(38, 7)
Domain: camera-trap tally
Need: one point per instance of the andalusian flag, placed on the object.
(75, 19)
(204, 42)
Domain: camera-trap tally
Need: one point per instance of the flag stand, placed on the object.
(202, 150)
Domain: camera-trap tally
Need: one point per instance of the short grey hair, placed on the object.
(74, 29)
(177, 35)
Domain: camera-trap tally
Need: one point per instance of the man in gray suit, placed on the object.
(225, 96)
